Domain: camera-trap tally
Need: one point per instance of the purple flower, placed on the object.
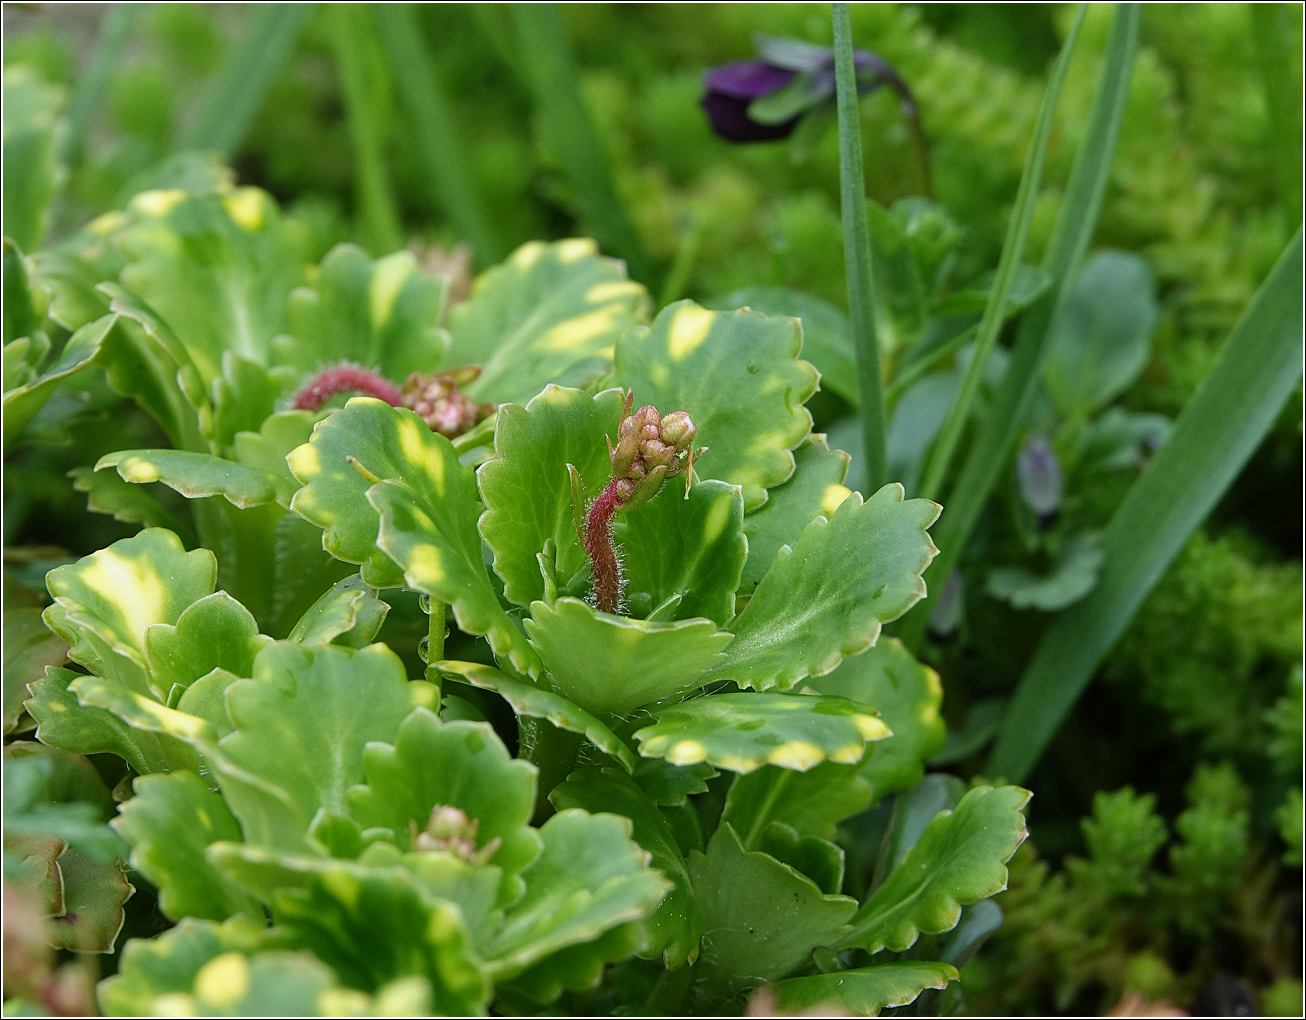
(762, 100)
(1039, 474)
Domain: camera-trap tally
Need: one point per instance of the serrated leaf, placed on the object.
(456, 764)
(820, 860)
(815, 488)
(277, 434)
(527, 489)
(546, 308)
(537, 703)
(908, 696)
(213, 632)
(217, 268)
(381, 312)
(348, 613)
(675, 927)
(370, 924)
(195, 475)
(32, 861)
(303, 720)
(170, 823)
(761, 918)
(108, 493)
(29, 646)
(668, 785)
(429, 504)
(93, 897)
(866, 990)
(22, 403)
(609, 664)
(960, 858)
(693, 548)
(743, 732)
(244, 395)
(811, 802)
(113, 596)
(588, 879)
(827, 337)
(739, 376)
(828, 596)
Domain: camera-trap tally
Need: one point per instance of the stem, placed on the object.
(435, 646)
(857, 252)
(597, 540)
(346, 379)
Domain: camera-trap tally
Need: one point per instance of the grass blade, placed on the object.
(997, 434)
(551, 72)
(1275, 37)
(1219, 429)
(857, 253)
(363, 84)
(92, 84)
(452, 186)
(1013, 250)
(242, 82)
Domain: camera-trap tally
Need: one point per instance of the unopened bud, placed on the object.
(450, 830)
(679, 430)
(1039, 474)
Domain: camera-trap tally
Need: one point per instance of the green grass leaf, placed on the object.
(739, 376)
(1212, 439)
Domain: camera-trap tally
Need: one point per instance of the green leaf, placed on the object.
(423, 513)
(180, 733)
(829, 594)
(1100, 340)
(64, 722)
(827, 337)
(302, 722)
(960, 858)
(278, 434)
(820, 860)
(788, 101)
(244, 396)
(21, 404)
(381, 312)
(32, 861)
(527, 488)
(195, 475)
(29, 646)
(761, 918)
(675, 927)
(456, 764)
(866, 990)
(589, 879)
(668, 785)
(154, 967)
(33, 173)
(1217, 432)
(612, 664)
(112, 597)
(369, 924)
(108, 493)
(1072, 576)
(908, 696)
(811, 803)
(170, 823)
(1013, 250)
(743, 732)
(51, 793)
(691, 548)
(349, 613)
(715, 365)
(93, 897)
(995, 439)
(546, 308)
(213, 632)
(901, 309)
(537, 703)
(815, 488)
(216, 268)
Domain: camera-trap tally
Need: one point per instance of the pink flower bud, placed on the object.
(679, 430)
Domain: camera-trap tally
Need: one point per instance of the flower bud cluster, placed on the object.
(438, 402)
(450, 830)
(650, 449)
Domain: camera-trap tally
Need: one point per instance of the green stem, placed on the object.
(917, 367)
(436, 630)
(763, 814)
(363, 86)
(569, 131)
(553, 751)
(1013, 250)
(451, 181)
(857, 252)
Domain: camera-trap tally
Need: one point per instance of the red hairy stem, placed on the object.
(346, 379)
(597, 541)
